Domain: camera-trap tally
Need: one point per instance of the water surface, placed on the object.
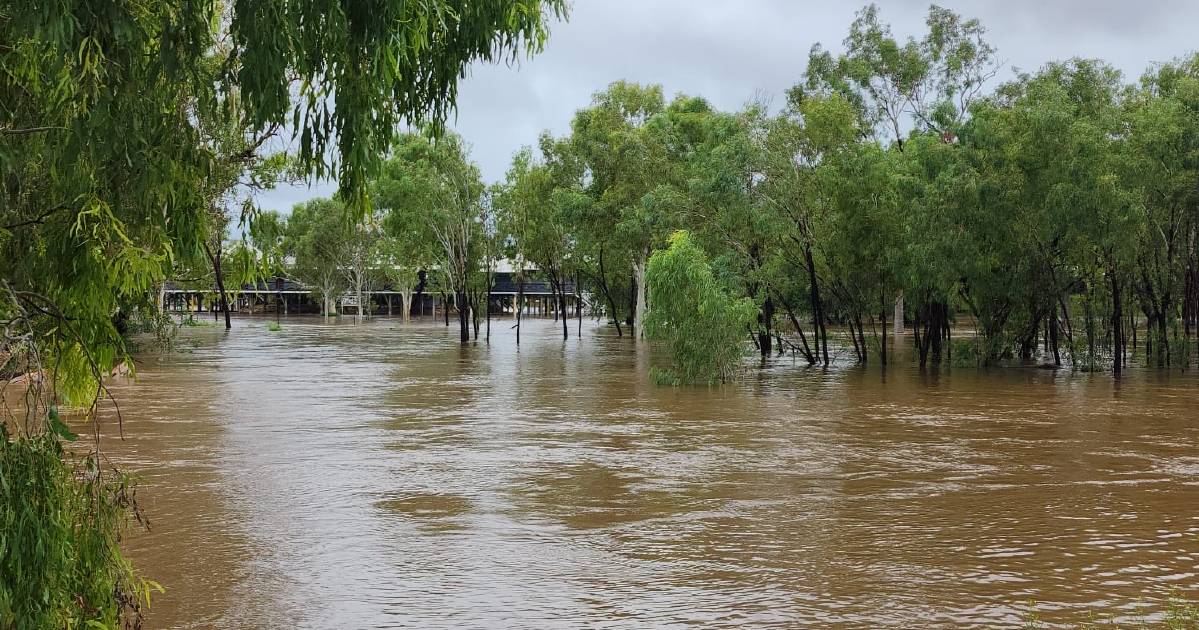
(381, 475)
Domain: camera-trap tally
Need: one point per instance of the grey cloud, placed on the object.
(731, 50)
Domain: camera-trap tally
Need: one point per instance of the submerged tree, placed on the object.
(317, 238)
(435, 182)
(620, 168)
(698, 321)
(535, 207)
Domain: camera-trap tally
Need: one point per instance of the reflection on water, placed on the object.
(342, 476)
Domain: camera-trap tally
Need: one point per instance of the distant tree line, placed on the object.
(1051, 218)
(1055, 214)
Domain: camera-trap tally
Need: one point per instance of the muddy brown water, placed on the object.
(380, 475)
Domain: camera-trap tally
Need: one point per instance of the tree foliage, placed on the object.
(696, 319)
(123, 124)
(431, 189)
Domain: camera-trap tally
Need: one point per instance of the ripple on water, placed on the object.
(334, 475)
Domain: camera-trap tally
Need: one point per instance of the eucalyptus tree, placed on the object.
(267, 235)
(719, 159)
(435, 179)
(1162, 168)
(540, 196)
(621, 167)
(509, 199)
(1048, 215)
(242, 166)
(920, 86)
(406, 249)
(103, 174)
(317, 238)
(490, 251)
(861, 239)
(795, 146)
(361, 263)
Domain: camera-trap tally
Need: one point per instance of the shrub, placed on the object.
(698, 321)
(60, 525)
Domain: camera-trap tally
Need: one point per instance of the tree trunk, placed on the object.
(1117, 320)
(631, 318)
(520, 303)
(554, 299)
(804, 349)
(603, 284)
(474, 313)
(817, 307)
(1090, 328)
(563, 313)
(215, 259)
(765, 317)
(1162, 342)
(853, 336)
(358, 296)
(1054, 326)
(882, 316)
(558, 296)
(639, 277)
(463, 316)
(862, 338)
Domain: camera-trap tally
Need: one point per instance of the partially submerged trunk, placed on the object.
(558, 297)
(463, 316)
(406, 304)
(639, 279)
(821, 336)
(520, 303)
(1117, 320)
(605, 289)
(765, 318)
(803, 349)
(882, 318)
(214, 257)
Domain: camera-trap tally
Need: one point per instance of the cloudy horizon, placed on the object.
(734, 52)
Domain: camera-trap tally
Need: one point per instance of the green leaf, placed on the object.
(59, 428)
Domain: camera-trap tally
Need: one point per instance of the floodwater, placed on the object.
(380, 475)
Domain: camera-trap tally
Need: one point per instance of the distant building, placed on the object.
(292, 297)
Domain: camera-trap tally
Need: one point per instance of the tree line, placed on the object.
(1050, 217)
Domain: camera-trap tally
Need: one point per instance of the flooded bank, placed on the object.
(382, 475)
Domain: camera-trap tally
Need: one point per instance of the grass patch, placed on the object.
(274, 327)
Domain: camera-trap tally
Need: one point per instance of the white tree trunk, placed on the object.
(406, 304)
(641, 310)
(358, 295)
(899, 315)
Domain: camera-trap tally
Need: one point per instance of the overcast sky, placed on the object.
(731, 50)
